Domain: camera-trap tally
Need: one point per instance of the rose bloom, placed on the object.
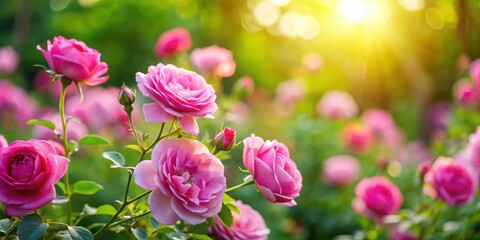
(465, 93)
(8, 59)
(339, 171)
(3, 141)
(248, 225)
(377, 197)
(275, 174)
(75, 60)
(16, 107)
(450, 181)
(214, 60)
(177, 93)
(75, 128)
(357, 138)
(384, 127)
(186, 179)
(337, 105)
(43, 83)
(172, 42)
(28, 173)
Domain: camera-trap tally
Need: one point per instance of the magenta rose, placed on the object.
(214, 60)
(339, 171)
(377, 197)
(450, 181)
(337, 105)
(225, 139)
(275, 174)
(75, 60)
(177, 93)
(186, 179)
(248, 225)
(28, 173)
(8, 59)
(3, 141)
(172, 42)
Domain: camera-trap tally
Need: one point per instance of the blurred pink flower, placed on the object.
(377, 197)
(243, 87)
(275, 174)
(214, 60)
(9, 60)
(15, 105)
(312, 62)
(29, 171)
(44, 83)
(290, 91)
(465, 93)
(423, 168)
(471, 155)
(339, 171)
(337, 105)
(172, 42)
(177, 93)
(75, 129)
(187, 181)
(75, 60)
(384, 127)
(397, 234)
(475, 74)
(3, 141)
(248, 225)
(357, 138)
(450, 181)
(238, 112)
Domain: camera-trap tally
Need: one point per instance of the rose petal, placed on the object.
(161, 209)
(189, 125)
(144, 175)
(155, 113)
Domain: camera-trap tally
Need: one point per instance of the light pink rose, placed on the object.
(465, 93)
(16, 107)
(475, 73)
(172, 42)
(75, 60)
(337, 105)
(275, 174)
(384, 127)
(471, 155)
(450, 181)
(28, 173)
(214, 60)
(225, 139)
(177, 93)
(9, 59)
(75, 128)
(357, 138)
(44, 83)
(248, 225)
(3, 141)
(339, 171)
(377, 197)
(187, 181)
(290, 91)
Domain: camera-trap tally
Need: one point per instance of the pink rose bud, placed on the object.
(450, 181)
(225, 139)
(126, 96)
(29, 171)
(337, 105)
(243, 87)
(377, 197)
(423, 168)
(475, 74)
(339, 171)
(214, 60)
(8, 60)
(275, 174)
(188, 182)
(177, 93)
(357, 138)
(248, 225)
(3, 141)
(75, 60)
(465, 93)
(173, 42)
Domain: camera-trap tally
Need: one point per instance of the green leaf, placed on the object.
(226, 215)
(60, 200)
(176, 236)
(73, 145)
(44, 123)
(116, 157)
(31, 227)
(134, 147)
(85, 187)
(80, 233)
(233, 208)
(4, 224)
(106, 210)
(62, 235)
(227, 199)
(166, 229)
(140, 233)
(200, 236)
(93, 140)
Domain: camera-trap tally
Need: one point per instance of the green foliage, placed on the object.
(117, 159)
(45, 123)
(93, 140)
(31, 227)
(85, 187)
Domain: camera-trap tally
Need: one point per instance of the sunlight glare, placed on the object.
(353, 10)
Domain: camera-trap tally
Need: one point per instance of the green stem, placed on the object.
(134, 130)
(12, 227)
(240, 186)
(61, 107)
(215, 150)
(131, 218)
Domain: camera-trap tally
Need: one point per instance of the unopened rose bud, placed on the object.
(225, 139)
(423, 168)
(126, 96)
(243, 87)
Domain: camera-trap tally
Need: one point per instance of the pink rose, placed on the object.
(290, 91)
(275, 174)
(3, 141)
(337, 105)
(75, 129)
(28, 173)
(8, 59)
(248, 225)
(177, 93)
(75, 60)
(225, 139)
(472, 154)
(214, 60)
(377, 197)
(16, 107)
(450, 181)
(172, 42)
(357, 138)
(465, 93)
(339, 171)
(187, 181)
(475, 73)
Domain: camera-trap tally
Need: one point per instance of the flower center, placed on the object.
(22, 166)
